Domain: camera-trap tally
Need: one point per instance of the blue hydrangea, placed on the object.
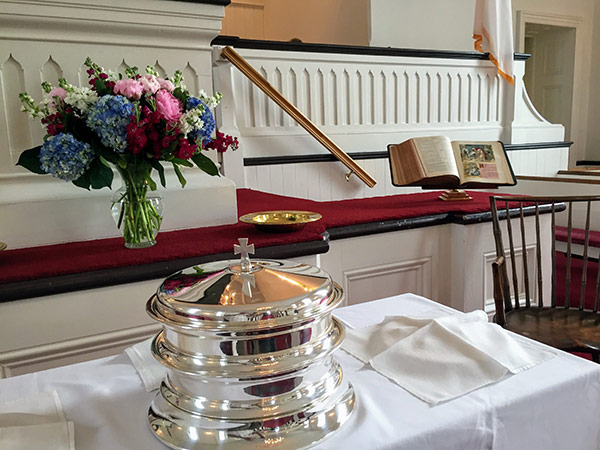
(109, 118)
(65, 157)
(193, 102)
(207, 117)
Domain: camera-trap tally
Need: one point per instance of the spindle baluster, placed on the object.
(513, 260)
(583, 283)
(568, 279)
(524, 254)
(538, 248)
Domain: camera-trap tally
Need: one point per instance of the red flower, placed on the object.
(136, 136)
(54, 124)
(222, 142)
(185, 150)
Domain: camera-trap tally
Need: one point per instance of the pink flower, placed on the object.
(56, 92)
(166, 85)
(150, 84)
(167, 106)
(129, 88)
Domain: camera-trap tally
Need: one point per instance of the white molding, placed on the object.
(78, 349)
(488, 279)
(420, 268)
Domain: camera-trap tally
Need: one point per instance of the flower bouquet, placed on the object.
(129, 121)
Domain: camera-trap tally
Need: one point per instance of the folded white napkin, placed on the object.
(438, 357)
(148, 368)
(34, 423)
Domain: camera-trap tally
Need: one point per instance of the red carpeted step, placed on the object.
(578, 236)
(575, 288)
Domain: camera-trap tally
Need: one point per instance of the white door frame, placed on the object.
(580, 102)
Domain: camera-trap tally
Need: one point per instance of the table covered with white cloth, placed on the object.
(554, 405)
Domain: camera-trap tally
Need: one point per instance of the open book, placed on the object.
(435, 161)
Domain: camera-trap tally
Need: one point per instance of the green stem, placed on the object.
(140, 219)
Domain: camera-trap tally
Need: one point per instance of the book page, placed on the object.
(482, 162)
(436, 155)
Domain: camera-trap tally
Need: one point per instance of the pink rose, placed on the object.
(167, 106)
(56, 92)
(149, 83)
(129, 88)
(166, 85)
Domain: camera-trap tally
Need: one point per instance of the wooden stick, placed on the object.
(239, 62)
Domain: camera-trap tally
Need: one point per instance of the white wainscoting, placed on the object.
(490, 257)
(381, 265)
(385, 280)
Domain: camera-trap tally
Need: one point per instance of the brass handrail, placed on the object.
(232, 56)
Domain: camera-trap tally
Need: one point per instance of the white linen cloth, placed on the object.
(493, 34)
(34, 423)
(148, 368)
(438, 357)
(553, 406)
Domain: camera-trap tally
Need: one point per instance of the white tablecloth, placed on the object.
(555, 405)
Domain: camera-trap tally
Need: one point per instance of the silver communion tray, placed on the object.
(248, 350)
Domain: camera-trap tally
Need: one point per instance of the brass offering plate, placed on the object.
(280, 221)
(2, 246)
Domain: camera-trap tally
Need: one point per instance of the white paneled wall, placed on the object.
(45, 40)
(364, 103)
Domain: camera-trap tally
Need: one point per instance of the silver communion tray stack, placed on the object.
(248, 350)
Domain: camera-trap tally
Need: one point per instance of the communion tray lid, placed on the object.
(231, 294)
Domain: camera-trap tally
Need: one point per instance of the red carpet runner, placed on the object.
(78, 257)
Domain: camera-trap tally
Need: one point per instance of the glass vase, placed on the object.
(137, 210)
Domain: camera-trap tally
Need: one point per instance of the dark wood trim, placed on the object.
(587, 162)
(538, 145)
(298, 159)
(558, 179)
(122, 275)
(207, 2)
(580, 173)
(472, 218)
(319, 158)
(237, 42)
(386, 226)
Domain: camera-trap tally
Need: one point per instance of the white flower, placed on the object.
(81, 98)
(112, 75)
(190, 120)
(211, 102)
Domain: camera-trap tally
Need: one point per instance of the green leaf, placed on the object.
(180, 95)
(83, 181)
(206, 164)
(105, 162)
(100, 175)
(182, 162)
(161, 171)
(100, 86)
(109, 155)
(30, 159)
(69, 122)
(179, 175)
(82, 132)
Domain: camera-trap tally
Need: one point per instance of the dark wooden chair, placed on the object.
(569, 319)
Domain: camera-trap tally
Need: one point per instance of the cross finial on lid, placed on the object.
(243, 248)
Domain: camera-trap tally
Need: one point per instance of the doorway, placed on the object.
(554, 72)
(549, 71)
